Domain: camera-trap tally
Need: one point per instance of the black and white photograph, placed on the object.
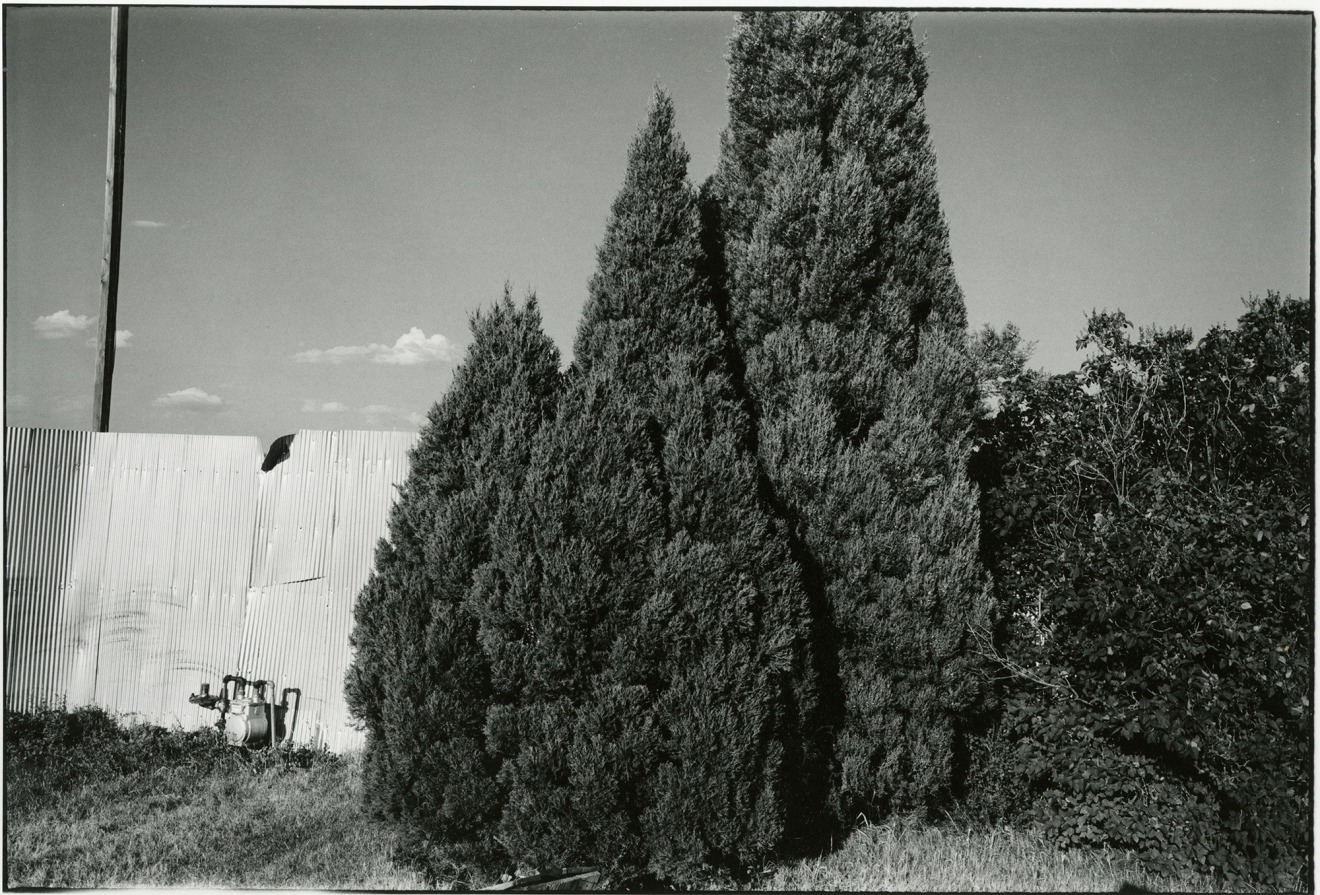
(643, 449)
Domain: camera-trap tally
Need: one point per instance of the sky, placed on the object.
(316, 201)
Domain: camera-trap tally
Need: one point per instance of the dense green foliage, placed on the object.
(586, 639)
(785, 547)
(644, 620)
(418, 680)
(1149, 525)
(841, 294)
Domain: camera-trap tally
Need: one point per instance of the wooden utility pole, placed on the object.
(114, 215)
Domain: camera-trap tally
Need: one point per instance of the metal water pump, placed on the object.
(247, 717)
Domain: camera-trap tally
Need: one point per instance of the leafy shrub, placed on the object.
(52, 750)
(1151, 537)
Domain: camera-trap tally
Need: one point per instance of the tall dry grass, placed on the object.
(902, 856)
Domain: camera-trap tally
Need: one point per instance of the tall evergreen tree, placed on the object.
(841, 292)
(643, 615)
(418, 680)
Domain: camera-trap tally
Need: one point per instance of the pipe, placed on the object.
(270, 712)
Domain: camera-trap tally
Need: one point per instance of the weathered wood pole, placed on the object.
(114, 215)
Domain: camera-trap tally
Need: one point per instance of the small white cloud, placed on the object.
(61, 324)
(413, 347)
(190, 399)
(149, 224)
(310, 406)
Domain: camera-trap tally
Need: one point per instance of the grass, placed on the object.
(900, 856)
(93, 804)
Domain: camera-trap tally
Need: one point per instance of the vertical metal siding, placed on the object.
(284, 636)
(177, 548)
(297, 506)
(288, 586)
(371, 465)
(340, 485)
(44, 502)
(87, 570)
(209, 573)
(127, 558)
(140, 566)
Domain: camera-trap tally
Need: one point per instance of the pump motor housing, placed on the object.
(247, 717)
(248, 722)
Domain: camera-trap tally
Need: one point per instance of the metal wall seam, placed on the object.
(297, 506)
(371, 465)
(342, 483)
(286, 590)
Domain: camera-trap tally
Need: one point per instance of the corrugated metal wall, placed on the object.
(321, 514)
(139, 566)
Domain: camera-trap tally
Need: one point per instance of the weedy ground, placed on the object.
(90, 803)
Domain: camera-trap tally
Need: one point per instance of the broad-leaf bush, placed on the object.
(1151, 540)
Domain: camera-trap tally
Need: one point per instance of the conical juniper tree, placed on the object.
(418, 681)
(841, 292)
(726, 593)
(644, 619)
